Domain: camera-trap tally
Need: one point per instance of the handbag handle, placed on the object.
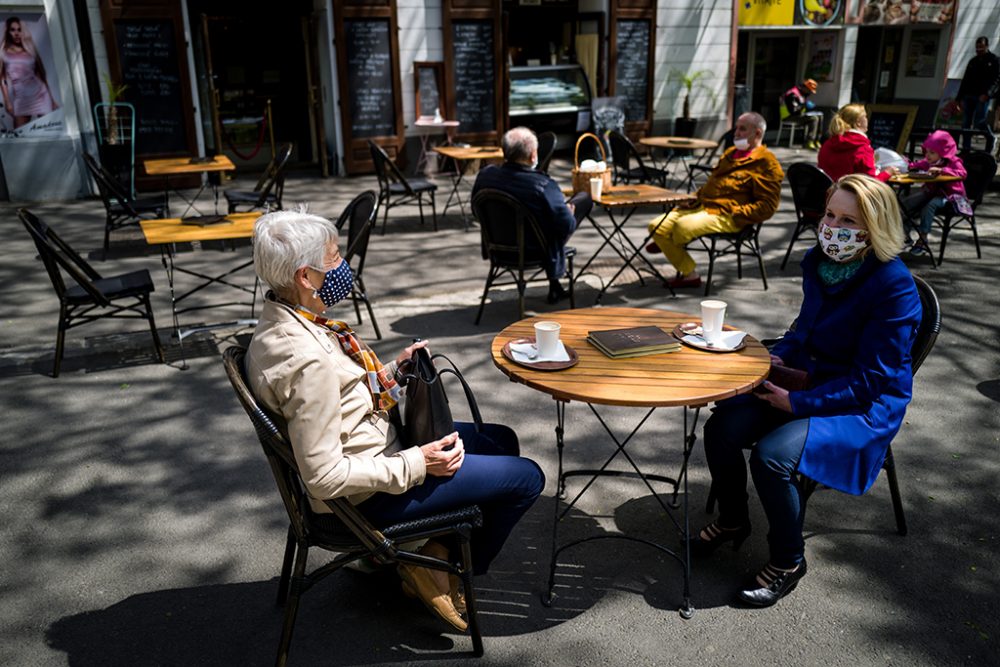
(576, 151)
(469, 396)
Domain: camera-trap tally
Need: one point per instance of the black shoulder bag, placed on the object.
(426, 412)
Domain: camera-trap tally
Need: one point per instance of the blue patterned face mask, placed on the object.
(337, 285)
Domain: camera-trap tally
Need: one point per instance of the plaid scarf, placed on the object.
(384, 389)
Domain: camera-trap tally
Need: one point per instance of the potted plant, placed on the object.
(116, 91)
(685, 125)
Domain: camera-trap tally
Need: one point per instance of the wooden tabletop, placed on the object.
(639, 195)
(687, 377)
(906, 179)
(173, 230)
(470, 152)
(182, 165)
(678, 143)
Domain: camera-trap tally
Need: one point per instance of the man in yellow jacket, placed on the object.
(744, 189)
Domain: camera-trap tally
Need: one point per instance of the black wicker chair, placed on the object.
(92, 297)
(513, 242)
(120, 207)
(623, 153)
(546, 148)
(744, 242)
(981, 168)
(360, 216)
(394, 189)
(270, 186)
(349, 534)
(809, 184)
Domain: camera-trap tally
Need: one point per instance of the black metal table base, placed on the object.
(686, 609)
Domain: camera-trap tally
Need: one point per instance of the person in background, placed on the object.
(519, 177)
(859, 317)
(335, 396)
(797, 105)
(940, 158)
(980, 83)
(743, 189)
(848, 150)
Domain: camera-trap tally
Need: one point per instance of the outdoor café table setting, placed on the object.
(902, 183)
(166, 233)
(463, 155)
(631, 357)
(674, 144)
(178, 166)
(620, 203)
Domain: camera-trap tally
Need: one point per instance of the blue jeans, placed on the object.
(741, 423)
(493, 476)
(927, 205)
(974, 113)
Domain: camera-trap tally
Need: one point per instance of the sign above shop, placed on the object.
(902, 12)
(31, 105)
(808, 13)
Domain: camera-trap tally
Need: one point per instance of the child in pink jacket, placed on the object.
(940, 157)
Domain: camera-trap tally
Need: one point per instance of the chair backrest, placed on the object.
(809, 184)
(359, 216)
(930, 323)
(546, 147)
(273, 177)
(110, 190)
(386, 170)
(58, 256)
(621, 149)
(981, 168)
(511, 235)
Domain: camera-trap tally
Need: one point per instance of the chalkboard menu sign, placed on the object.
(370, 76)
(147, 50)
(632, 69)
(472, 60)
(889, 125)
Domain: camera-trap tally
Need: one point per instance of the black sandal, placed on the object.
(776, 585)
(715, 536)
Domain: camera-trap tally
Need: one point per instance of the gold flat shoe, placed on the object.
(417, 582)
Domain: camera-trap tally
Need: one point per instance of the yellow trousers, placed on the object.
(673, 231)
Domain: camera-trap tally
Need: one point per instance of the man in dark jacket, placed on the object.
(541, 195)
(979, 85)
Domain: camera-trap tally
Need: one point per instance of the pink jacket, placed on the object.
(942, 143)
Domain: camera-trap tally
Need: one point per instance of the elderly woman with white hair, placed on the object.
(335, 395)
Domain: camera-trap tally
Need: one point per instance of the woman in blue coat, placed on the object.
(853, 335)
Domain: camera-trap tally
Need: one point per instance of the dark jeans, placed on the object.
(741, 423)
(492, 476)
(975, 114)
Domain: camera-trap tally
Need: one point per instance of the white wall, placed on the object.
(975, 18)
(924, 88)
(420, 39)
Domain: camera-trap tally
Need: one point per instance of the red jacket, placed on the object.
(848, 153)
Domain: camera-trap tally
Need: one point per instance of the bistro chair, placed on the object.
(120, 207)
(91, 296)
(927, 333)
(623, 152)
(744, 242)
(345, 532)
(788, 122)
(513, 242)
(706, 162)
(359, 216)
(394, 189)
(268, 191)
(546, 148)
(981, 168)
(809, 185)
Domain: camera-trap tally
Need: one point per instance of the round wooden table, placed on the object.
(688, 378)
(679, 143)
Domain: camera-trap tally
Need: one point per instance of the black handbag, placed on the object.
(426, 411)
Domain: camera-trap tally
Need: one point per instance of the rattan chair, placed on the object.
(120, 207)
(623, 153)
(92, 296)
(981, 168)
(744, 242)
(394, 189)
(346, 532)
(546, 148)
(809, 185)
(513, 242)
(360, 216)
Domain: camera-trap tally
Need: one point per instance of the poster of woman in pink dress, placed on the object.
(27, 93)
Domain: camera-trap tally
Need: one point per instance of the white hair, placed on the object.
(756, 120)
(518, 144)
(285, 241)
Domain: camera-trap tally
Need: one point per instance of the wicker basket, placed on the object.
(581, 179)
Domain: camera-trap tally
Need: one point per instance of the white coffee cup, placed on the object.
(547, 338)
(713, 314)
(596, 184)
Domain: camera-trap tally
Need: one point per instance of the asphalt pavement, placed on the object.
(142, 525)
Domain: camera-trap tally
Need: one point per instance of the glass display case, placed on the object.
(550, 97)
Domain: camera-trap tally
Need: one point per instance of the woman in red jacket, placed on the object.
(848, 150)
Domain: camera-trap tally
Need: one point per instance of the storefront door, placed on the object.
(774, 69)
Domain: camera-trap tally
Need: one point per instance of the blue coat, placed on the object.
(854, 340)
(542, 196)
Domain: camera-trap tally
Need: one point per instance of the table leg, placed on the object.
(167, 258)
(455, 194)
(636, 253)
(607, 240)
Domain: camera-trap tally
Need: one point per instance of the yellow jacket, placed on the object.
(748, 189)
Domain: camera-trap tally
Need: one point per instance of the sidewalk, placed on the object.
(143, 527)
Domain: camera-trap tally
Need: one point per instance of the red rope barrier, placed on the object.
(260, 142)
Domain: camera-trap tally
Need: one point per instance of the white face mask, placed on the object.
(741, 144)
(842, 244)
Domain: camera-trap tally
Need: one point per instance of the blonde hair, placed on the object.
(846, 119)
(879, 213)
(27, 43)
